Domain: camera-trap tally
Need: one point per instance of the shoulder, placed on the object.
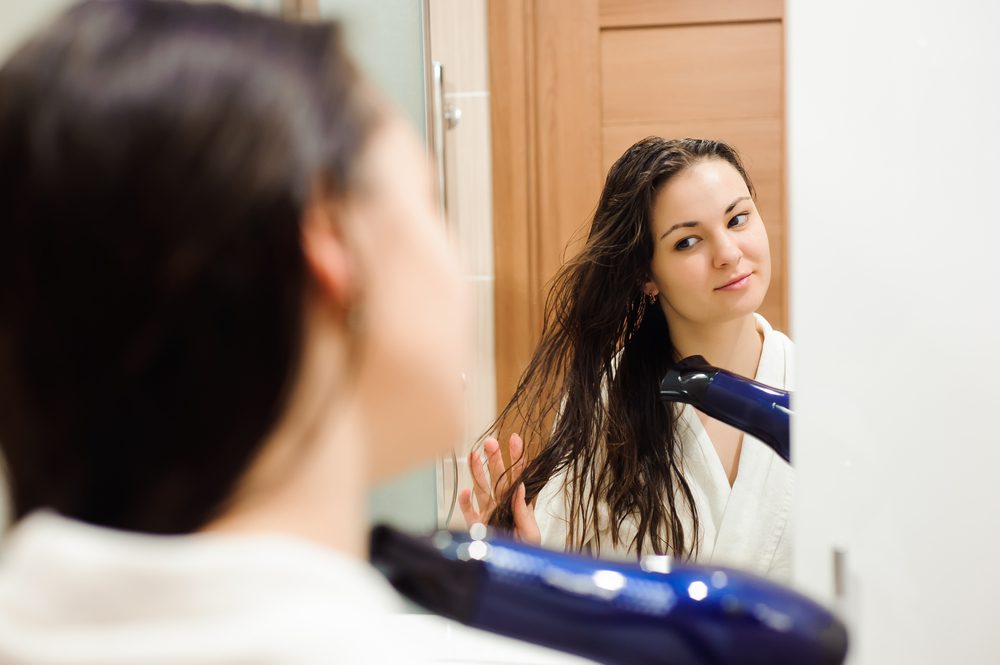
(777, 358)
(770, 332)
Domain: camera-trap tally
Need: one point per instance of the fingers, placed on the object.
(495, 462)
(480, 484)
(525, 525)
(516, 447)
(468, 511)
(482, 489)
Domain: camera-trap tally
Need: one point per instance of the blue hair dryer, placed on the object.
(615, 613)
(749, 406)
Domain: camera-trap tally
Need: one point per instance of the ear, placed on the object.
(650, 289)
(329, 260)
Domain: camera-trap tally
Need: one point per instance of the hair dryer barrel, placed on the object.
(752, 407)
(613, 612)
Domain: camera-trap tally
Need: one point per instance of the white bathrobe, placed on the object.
(744, 526)
(75, 594)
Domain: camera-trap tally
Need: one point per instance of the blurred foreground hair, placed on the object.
(156, 158)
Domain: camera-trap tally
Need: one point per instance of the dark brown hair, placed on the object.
(156, 158)
(588, 402)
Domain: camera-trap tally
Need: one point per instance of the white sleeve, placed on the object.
(551, 513)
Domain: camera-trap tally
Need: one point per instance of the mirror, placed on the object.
(548, 106)
(523, 145)
(526, 105)
(629, 76)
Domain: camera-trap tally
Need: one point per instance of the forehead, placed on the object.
(701, 192)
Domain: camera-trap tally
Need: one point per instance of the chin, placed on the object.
(745, 307)
(750, 307)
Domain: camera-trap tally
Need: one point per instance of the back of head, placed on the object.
(156, 158)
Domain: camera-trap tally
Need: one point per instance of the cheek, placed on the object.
(761, 251)
(758, 243)
(418, 332)
(680, 275)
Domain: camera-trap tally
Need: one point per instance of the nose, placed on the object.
(727, 253)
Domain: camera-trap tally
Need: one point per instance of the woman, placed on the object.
(225, 300)
(676, 264)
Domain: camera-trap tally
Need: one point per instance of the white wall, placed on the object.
(894, 202)
(19, 18)
(459, 42)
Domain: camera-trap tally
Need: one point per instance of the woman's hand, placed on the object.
(525, 526)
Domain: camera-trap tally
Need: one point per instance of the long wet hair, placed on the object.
(588, 403)
(156, 159)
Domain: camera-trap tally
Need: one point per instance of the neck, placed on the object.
(732, 345)
(309, 489)
(310, 477)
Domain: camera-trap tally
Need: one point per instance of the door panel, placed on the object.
(699, 72)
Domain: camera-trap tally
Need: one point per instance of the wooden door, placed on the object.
(574, 83)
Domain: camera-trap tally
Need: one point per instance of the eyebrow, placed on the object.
(687, 225)
(733, 204)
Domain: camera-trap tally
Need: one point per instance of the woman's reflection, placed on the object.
(676, 264)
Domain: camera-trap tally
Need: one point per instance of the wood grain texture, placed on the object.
(691, 72)
(722, 81)
(510, 26)
(620, 13)
(546, 105)
(568, 141)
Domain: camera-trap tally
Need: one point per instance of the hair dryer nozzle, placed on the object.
(420, 571)
(747, 405)
(687, 381)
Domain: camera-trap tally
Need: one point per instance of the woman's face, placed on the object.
(711, 261)
(414, 329)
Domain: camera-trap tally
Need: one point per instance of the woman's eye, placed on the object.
(739, 220)
(687, 243)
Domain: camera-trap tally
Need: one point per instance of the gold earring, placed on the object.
(652, 298)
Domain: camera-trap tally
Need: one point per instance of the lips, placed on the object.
(735, 283)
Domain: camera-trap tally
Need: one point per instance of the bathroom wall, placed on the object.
(458, 41)
(893, 140)
(18, 19)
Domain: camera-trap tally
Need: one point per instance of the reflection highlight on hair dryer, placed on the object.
(612, 612)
